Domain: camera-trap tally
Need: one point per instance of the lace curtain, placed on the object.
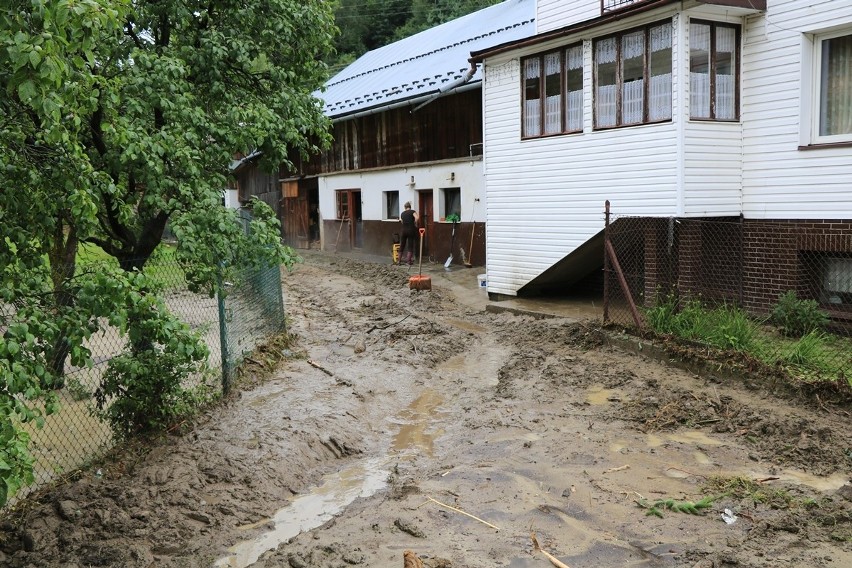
(532, 100)
(836, 86)
(607, 90)
(699, 70)
(660, 69)
(574, 81)
(726, 48)
(553, 96)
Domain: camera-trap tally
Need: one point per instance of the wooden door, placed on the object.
(427, 220)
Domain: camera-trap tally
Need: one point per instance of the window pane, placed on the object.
(633, 68)
(452, 202)
(391, 204)
(699, 70)
(553, 93)
(605, 79)
(574, 88)
(726, 49)
(660, 68)
(836, 86)
(532, 97)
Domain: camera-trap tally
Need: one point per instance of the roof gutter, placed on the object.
(457, 86)
(449, 87)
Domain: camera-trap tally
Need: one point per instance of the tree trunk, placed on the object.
(63, 263)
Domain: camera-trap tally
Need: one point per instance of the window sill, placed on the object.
(847, 144)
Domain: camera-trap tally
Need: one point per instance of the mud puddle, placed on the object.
(309, 511)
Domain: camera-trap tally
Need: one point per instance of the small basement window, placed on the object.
(837, 281)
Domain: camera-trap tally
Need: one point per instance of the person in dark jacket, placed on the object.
(409, 220)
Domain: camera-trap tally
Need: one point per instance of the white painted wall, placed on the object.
(780, 181)
(231, 197)
(464, 174)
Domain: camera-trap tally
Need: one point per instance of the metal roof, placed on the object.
(427, 62)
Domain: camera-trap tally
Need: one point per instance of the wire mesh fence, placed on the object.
(779, 293)
(231, 324)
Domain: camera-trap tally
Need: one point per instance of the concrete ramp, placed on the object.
(580, 263)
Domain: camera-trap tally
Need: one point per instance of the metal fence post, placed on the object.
(606, 264)
(223, 333)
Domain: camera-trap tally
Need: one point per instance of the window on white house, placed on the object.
(834, 68)
(391, 204)
(452, 202)
(553, 92)
(713, 70)
(633, 77)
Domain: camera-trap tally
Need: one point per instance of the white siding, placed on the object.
(712, 169)
(779, 180)
(555, 14)
(546, 196)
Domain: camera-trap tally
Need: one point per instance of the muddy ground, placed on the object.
(403, 420)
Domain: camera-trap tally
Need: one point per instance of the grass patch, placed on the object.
(815, 357)
(747, 489)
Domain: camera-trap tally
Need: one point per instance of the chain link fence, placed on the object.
(231, 324)
(775, 292)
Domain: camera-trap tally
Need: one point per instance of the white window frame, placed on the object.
(620, 114)
(813, 57)
(444, 201)
(390, 215)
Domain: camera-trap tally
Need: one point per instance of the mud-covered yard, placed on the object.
(403, 420)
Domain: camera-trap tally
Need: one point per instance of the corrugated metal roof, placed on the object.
(422, 64)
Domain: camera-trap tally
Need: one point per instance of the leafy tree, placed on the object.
(117, 117)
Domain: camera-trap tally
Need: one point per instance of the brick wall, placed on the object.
(788, 255)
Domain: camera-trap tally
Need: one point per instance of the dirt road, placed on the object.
(406, 420)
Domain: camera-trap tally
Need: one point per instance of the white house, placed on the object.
(690, 109)
(408, 127)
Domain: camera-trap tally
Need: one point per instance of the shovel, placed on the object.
(420, 282)
(452, 246)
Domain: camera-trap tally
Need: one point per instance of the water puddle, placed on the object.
(597, 395)
(465, 325)
(415, 433)
(701, 458)
(829, 483)
(653, 441)
(309, 511)
(337, 491)
(693, 437)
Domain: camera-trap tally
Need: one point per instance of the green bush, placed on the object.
(797, 318)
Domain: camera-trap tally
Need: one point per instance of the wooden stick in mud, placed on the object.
(410, 560)
(462, 512)
(553, 560)
(323, 369)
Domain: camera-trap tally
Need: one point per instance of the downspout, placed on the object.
(448, 87)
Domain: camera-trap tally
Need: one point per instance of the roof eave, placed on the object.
(479, 56)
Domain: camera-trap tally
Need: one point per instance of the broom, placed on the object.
(467, 261)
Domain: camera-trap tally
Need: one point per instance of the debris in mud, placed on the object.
(657, 507)
(475, 518)
(409, 528)
(553, 560)
(729, 517)
(410, 560)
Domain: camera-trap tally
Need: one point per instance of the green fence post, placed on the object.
(223, 334)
